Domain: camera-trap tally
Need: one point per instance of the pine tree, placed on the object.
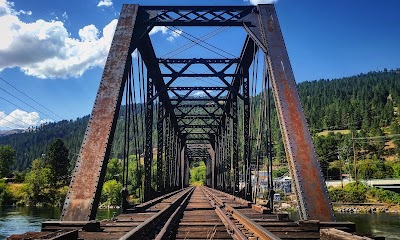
(57, 158)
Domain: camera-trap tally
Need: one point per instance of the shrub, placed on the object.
(111, 193)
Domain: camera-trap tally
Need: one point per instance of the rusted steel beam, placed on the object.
(308, 179)
(199, 60)
(197, 15)
(85, 188)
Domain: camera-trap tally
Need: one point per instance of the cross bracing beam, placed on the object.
(198, 15)
(196, 75)
(198, 88)
(264, 33)
(198, 126)
(199, 117)
(199, 60)
(192, 99)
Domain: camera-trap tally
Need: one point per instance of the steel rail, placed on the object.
(140, 229)
(236, 233)
(168, 224)
(254, 227)
(150, 203)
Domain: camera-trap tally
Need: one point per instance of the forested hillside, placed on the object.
(366, 102)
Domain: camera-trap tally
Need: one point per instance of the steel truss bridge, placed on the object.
(185, 128)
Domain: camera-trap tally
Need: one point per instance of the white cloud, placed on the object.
(44, 49)
(157, 29)
(164, 30)
(256, 2)
(19, 119)
(65, 15)
(201, 93)
(105, 3)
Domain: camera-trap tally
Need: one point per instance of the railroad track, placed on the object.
(190, 213)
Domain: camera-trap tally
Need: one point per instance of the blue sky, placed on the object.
(54, 51)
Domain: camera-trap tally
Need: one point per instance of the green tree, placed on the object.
(5, 195)
(198, 174)
(396, 170)
(57, 158)
(7, 157)
(114, 170)
(38, 184)
(111, 193)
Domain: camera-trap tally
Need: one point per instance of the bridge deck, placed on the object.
(191, 213)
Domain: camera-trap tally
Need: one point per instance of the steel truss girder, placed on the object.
(199, 60)
(198, 15)
(198, 88)
(86, 184)
(132, 30)
(148, 157)
(198, 126)
(308, 179)
(160, 148)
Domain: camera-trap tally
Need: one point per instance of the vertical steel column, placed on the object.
(160, 147)
(214, 165)
(208, 172)
(307, 176)
(182, 167)
(148, 156)
(223, 172)
(173, 160)
(235, 144)
(228, 157)
(85, 188)
(246, 135)
(167, 178)
(219, 161)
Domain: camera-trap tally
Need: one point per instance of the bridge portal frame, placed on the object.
(132, 32)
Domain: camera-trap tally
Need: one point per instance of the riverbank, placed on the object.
(366, 208)
(338, 207)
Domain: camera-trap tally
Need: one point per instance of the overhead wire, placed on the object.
(209, 44)
(191, 44)
(24, 102)
(26, 95)
(209, 49)
(15, 105)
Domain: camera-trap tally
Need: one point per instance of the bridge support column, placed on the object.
(307, 176)
(87, 181)
(246, 135)
(235, 161)
(148, 157)
(160, 148)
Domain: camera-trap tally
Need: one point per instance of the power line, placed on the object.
(209, 44)
(31, 98)
(11, 123)
(198, 43)
(14, 104)
(191, 44)
(25, 102)
(18, 119)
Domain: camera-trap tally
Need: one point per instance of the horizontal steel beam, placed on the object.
(195, 75)
(197, 15)
(198, 88)
(199, 99)
(199, 60)
(198, 126)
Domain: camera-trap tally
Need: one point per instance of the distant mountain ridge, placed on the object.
(363, 101)
(9, 132)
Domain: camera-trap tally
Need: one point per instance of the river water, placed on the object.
(14, 220)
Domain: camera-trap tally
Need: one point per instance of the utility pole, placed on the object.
(340, 168)
(354, 158)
